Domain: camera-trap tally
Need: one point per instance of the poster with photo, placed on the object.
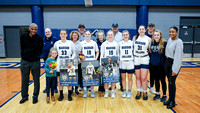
(69, 72)
(89, 73)
(110, 71)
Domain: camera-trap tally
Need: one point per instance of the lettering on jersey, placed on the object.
(126, 47)
(64, 57)
(64, 47)
(140, 52)
(88, 47)
(89, 57)
(110, 47)
(127, 56)
(154, 48)
(141, 43)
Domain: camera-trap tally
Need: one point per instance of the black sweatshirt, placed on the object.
(31, 47)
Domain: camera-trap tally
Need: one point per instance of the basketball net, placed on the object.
(88, 3)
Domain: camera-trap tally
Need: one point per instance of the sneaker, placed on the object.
(163, 99)
(84, 93)
(23, 100)
(156, 97)
(124, 94)
(112, 94)
(44, 91)
(145, 96)
(138, 96)
(92, 94)
(129, 95)
(80, 88)
(89, 89)
(76, 92)
(106, 94)
(35, 99)
(60, 97)
(152, 90)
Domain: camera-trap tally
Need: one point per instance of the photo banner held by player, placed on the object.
(89, 73)
(110, 71)
(69, 72)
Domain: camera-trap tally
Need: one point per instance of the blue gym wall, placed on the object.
(69, 13)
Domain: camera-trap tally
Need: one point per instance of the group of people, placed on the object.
(147, 51)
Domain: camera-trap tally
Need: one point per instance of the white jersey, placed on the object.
(126, 50)
(72, 71)
(65, 50)
(89, 49)
(90, 69)
(141, 45)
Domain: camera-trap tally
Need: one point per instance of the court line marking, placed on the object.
(17, 93)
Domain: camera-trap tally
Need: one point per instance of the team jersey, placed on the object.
(72, 71)
(89, 49)
(65, 50)
(109, 49)
(141, 45)
(90, 69)
(126, 50)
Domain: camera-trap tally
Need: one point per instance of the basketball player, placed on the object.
(141, 44)
(126, 62)
(109, 48)
(66, 50)
(90, 49)
(71, 71)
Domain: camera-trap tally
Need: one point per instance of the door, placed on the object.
(190, 36)
(12, 40)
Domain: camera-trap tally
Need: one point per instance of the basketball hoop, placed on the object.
(88, 3)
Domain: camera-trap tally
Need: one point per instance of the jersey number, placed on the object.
(110, 52)
(64, 52)
(88, 52)
(139, 47)
(126, 52)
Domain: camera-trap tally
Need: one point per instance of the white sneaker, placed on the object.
(152, 90)
(124, 94)
(112, 94)
(106, 94)
(80, 89)
(141, 90)
(92, 94)
(129, 95)
(84, 93)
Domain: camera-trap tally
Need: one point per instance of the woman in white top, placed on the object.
(126, 62)
(141, 44)
(66, 50)
(90, 49)
(109, 48)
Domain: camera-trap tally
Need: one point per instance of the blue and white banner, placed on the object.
(110, 70)
(89, 73)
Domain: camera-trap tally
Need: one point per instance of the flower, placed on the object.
(53, 65)
(81, 56)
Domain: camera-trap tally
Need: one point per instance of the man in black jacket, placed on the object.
(31, 49)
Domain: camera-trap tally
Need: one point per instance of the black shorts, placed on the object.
(58, 73)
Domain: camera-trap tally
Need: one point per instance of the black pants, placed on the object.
(26, 68)
(50, 84)
(152, 76)
(80, 76)
(171, 79)
(159, 73)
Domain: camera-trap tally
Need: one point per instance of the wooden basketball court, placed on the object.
(187, 96)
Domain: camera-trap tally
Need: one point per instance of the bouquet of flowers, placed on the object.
(98, 71)
(81, 56)
(53, 65)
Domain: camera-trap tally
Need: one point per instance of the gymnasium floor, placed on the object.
(187, 98)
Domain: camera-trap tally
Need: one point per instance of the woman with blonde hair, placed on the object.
(157, 61)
